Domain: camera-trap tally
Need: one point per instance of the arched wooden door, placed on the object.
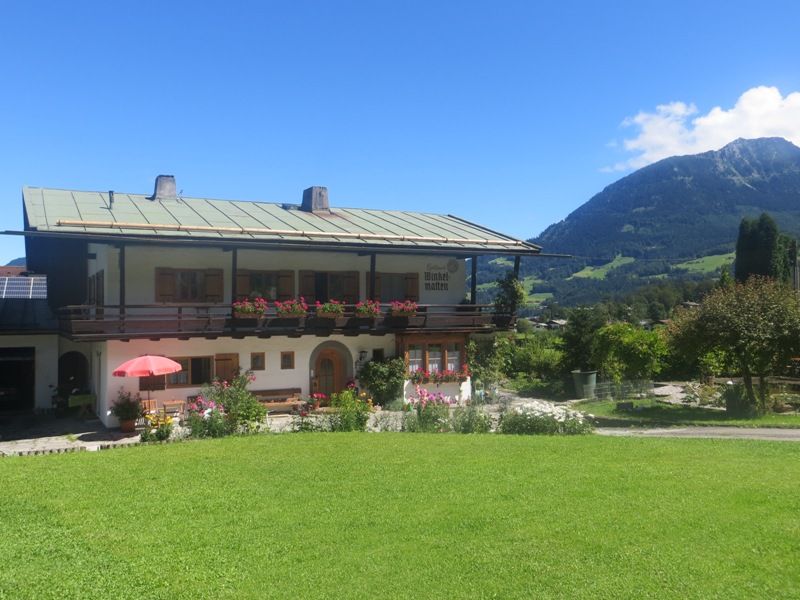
(329, 372)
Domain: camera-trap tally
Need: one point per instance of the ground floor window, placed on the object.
(287, 360)
(433, 354)
(195, 370)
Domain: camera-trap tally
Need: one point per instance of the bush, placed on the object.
(622, 351)
(158, 428)
(384, 379)
(352, 412)
(428, 412)
(538, 418)
(736, 401)
(127, 406)
(470, 419)
(242, 411)
(206, 418)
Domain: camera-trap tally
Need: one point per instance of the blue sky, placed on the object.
(506, 113)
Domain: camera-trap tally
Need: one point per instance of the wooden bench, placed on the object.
(279, 400)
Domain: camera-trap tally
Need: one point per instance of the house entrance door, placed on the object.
(329, 372)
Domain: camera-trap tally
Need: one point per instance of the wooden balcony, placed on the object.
(153, 321)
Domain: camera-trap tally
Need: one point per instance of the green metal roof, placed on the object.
(85, 214)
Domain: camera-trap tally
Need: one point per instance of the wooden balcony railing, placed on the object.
(213, 320)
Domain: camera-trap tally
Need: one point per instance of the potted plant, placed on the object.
(330, 309)
(316, 400)
(406, 308)
(250, 309)
(127, 408)
(368, 309)
(294, 308)
(510, 294)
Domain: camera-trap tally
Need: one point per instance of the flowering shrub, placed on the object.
(330, 308)
(317, 399)
(158, 427)
(406, 308)
(542, 417)
(206, 418)
(292, 308)
(428, 412)
(242, 411)
(438, 377)
(368, 309)
(127, 406)
(256, 306)
(352, 412)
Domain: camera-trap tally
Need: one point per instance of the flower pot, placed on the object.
(245, 315)
(327, 315)
(404, 313)
(127, 425)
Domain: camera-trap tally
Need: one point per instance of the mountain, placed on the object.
(685, 206)
(17, 262)
(672, 224)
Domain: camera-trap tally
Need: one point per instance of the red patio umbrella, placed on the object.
(147, 366)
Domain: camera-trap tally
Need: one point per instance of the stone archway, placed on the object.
(330, 368)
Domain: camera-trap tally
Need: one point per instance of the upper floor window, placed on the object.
(330, 285)
(188, 285)
(396, 286)
(272, 285)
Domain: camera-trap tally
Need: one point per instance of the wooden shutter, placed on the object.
(350, 287)
(308, 286)
(214, 285)
(242, 283)
(153, 383)
(377, 294)
(412, 286)
(165, 284)
(226, 366)
(286, 285)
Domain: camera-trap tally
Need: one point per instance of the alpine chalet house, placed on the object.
(130, 274)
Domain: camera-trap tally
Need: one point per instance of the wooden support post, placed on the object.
(516, 267)
(371, 286)
(122, 281)
(234, 269)
(473, 283)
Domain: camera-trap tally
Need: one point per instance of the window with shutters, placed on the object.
(271, 285)
(433, 353)
(195, 371)
(189, 285)
(396, 286)
(329, 285)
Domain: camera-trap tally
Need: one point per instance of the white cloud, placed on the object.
(759, 112)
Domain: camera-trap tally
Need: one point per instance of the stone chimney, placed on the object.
(165, 188)
(315, 199)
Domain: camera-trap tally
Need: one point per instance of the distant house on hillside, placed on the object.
(131, 274)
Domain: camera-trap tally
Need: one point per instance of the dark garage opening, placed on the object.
(16, 379)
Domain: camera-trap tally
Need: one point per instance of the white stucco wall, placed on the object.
(141, 262)
(461, 391)
(45, 364)
(114, 353)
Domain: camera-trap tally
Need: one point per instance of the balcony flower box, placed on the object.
(250, 309)
(291, 309)
(368, 309)
(439, 377)
(329, 310)
(407, 308)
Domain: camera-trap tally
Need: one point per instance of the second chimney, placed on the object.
(165, 188)
(315, 199)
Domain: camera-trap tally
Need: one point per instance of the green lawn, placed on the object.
(650, 412)
(601, 271)
(707, 264)
(405, 516)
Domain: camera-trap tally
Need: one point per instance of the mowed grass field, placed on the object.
(405, 516)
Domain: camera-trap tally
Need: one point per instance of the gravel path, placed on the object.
(738, 433)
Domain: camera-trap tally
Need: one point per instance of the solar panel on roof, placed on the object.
(23, 287)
